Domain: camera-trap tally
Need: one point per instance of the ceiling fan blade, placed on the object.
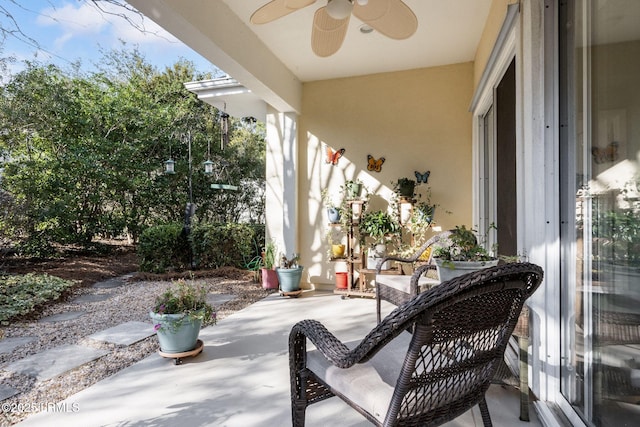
(277, 9)
(298, 4)
(393, 18)
(328, 33)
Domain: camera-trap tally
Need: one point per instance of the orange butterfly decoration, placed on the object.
(334, 156)
(373, 164)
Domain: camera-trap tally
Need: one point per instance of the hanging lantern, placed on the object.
(208, 167)
(170, 167)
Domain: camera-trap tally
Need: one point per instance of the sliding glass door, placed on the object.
(600, 192)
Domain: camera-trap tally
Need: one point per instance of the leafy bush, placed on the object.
(218, 245)
(36, 247)
(20, 294)
(163, 247)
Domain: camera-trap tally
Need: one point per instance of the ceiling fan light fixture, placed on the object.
(339, 9)
(365, 29)
(362, 2)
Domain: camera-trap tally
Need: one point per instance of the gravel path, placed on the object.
(130, 302)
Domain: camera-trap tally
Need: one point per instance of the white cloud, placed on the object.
(113, 22)
(81, 20)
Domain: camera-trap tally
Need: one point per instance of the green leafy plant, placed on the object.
(327, 200)
(378, 225)
(269, 255)
(21, 294)
(292, 262)
(462, 245)
(404, 187)
(348, 201)
(352, 189)
(164, 247)
(187, 299)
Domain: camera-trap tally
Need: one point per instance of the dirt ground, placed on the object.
(87, 269)
(84, 268)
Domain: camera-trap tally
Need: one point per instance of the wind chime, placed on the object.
(222, 175)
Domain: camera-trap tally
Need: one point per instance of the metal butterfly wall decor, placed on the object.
(606, 154)
(334, 156)
(373, 164)
(422, 177)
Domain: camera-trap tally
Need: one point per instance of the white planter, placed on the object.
(375, 254)
(372, 263)
(447, 272)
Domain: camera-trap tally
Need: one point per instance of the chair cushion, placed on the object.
(402, 283)
(369, 385)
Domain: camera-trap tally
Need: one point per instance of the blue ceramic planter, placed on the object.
(334, 215)
(289, 278)
(177, 333)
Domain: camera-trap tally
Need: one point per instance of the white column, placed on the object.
(281, 180)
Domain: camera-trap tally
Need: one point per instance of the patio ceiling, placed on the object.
(274, 59)
(448, 33)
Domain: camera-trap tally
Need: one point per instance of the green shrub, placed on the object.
(164, 247)
(36, 247)
(218, 245)
(20, 294)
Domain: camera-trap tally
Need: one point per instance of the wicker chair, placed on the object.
(400, 289)
(394, 378)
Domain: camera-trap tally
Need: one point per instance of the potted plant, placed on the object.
(352, 189)
(420, 220)
(404, 187)
(289, 273)
(355, 197)
(267, 271)
(334, 241)
(461, 253)
(378, 226)
(178, 314)
(333, 210)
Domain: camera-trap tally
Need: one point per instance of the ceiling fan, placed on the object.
(393, 18)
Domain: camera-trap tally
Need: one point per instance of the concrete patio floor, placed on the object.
(241, 378)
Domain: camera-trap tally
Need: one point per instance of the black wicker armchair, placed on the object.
(394, 378)
(399, 289)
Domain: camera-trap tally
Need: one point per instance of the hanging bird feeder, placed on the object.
(221, 175)
(170, 166)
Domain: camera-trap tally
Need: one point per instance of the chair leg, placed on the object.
(299, 401)
(298, 412)
(484, 411)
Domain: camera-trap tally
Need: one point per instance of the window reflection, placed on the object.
(600, 93)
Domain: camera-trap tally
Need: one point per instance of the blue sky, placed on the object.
(71, 30)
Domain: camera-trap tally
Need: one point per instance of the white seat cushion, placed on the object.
(369, 385)
(402, 282)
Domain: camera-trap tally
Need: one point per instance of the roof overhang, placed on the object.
(227, 95)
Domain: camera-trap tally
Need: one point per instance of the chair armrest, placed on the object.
(330, 346)
(419, 272)
(391, 258)
(334, 350)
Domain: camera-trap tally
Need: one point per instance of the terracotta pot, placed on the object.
(269, 278)
(342, 280)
